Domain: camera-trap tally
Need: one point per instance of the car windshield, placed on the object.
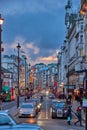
(36, 99)
(59, 104)
(27, 106)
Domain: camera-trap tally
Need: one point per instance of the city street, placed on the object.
(43, 65)
(46, 122)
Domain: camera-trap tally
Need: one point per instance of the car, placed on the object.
(38, 102)
(27, 110)
(7, 122)
(59, 109)
(35, 105)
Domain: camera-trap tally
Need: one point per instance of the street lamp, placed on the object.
(18, 47)
(1, 22)
(68, 81)
(29, 72)
(25, 72)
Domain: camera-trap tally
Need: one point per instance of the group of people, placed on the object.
(78, 115)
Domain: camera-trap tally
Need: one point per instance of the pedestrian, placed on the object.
(81, 101)
(79, 116)
(69, 115)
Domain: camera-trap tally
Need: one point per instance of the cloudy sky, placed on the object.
(38, 25)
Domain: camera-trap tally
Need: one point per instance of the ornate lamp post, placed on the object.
(25, 73)
(68, 81)
(29, 76)
(1, 22)
(29, 72)
(18, 47)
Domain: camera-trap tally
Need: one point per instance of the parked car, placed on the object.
(59, 109)
(7, 122)
(27, 110)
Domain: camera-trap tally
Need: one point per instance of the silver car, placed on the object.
(27, 109)
(7, 122)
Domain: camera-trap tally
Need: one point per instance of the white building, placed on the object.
(72, 58)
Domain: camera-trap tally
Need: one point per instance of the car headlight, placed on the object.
(65, 111)
(53, 110)
(38, 106)
(20, 111)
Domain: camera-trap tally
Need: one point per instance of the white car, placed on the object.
(8, 123)
(27, 109)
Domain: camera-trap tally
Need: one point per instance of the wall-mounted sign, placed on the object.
(84, 102)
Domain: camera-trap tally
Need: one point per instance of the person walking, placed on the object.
(69, 115)
(79, 116)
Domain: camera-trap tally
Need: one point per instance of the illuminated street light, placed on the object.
(1, 22)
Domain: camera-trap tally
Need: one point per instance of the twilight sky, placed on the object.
(38, 25)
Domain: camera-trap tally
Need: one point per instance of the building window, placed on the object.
(81, 27)
(81, 52)
(81, 38)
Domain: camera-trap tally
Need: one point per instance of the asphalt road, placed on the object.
(46, 122)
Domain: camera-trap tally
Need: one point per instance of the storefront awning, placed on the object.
(5, 88)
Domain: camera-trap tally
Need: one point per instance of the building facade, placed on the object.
(72, 57)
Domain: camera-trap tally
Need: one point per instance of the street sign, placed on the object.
(84, 102)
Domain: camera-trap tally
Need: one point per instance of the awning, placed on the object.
(70, 87)
(5, 88)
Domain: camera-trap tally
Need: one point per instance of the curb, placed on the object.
(13, 111)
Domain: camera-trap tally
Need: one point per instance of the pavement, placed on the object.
(12, 106)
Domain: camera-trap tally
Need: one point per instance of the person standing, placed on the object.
(79, 116)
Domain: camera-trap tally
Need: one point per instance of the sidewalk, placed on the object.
(13, 111)
(12, 106)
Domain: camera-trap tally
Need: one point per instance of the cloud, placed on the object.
(33, 47)
(50, 59)
(31, 6)
(38, 25)
(25, 47)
